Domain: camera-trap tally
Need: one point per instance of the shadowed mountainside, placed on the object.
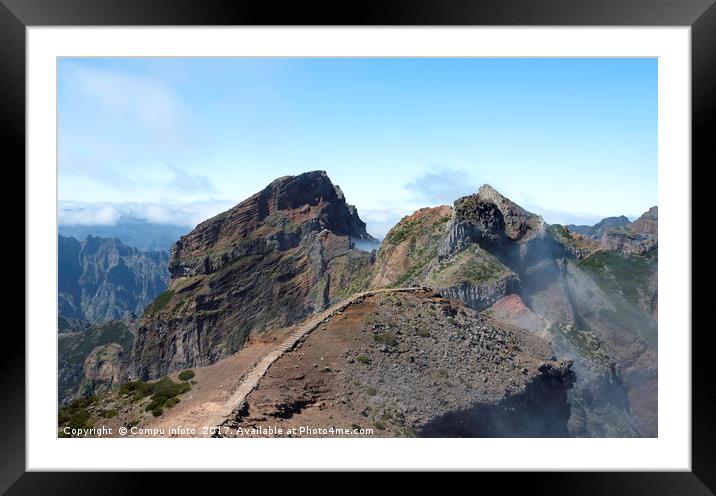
(270, 261)
(102, 279)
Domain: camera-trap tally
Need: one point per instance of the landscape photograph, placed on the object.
(357, 247)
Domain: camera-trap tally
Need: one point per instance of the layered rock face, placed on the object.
(102, 279)
(268, 262)
(415, 364)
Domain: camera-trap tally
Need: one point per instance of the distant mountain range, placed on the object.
(102, 279)
(490, 270)
(144, 236)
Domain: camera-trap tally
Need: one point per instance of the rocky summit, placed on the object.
(471, 252)
(270, 261)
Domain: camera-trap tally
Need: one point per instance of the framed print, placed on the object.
(446, 237)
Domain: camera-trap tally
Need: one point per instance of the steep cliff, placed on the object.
(85, 358)
(101, 279)
(268, 262)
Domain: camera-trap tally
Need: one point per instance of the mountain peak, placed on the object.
(491, 210)
(283, 213)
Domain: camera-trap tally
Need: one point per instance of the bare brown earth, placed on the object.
(405, 364)
(211, 387)
(399, 362)
(214, 385)
(513, 310)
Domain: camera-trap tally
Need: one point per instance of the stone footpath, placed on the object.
(268, 357)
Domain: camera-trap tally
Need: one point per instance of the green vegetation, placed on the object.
(356, 274)
(363, 359)
(185, 375)
(76, 415)
(622, 274)
(371, 391)
(470, 265)
(423, 233)
(179, 306)
(72, 350)
(628, 280)
(159, 303)
(423, 333)
(583, 341)
(379, 425)
(161, 392)
(109, 413)
(561, 233)
(385, 338)
(131, 423)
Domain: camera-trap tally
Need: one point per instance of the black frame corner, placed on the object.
(17, 15)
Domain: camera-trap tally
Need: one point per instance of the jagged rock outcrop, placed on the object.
(618, 234)
(97, 350)
(270, 261)
(638, 238)
(597, 230)
(476, 252)
(102, 279)
(648, 223)
(104, 368)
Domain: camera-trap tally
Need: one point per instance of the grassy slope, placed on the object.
(422, 235)
(473, 265)
(626, 279)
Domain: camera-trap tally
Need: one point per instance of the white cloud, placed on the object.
(381, 220)
(149, 102)
(184, 182)
(188, 214)
(441, 185)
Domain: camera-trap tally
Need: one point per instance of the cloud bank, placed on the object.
(104, 214)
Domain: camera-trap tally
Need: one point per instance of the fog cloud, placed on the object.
(189, 214)
(441, 185)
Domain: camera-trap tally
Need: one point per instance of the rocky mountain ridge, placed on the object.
(270, 261)
(594, 298)
(102, 279)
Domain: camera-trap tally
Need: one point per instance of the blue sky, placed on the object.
(179, 140)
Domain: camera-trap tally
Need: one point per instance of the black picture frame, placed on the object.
(17, 15)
